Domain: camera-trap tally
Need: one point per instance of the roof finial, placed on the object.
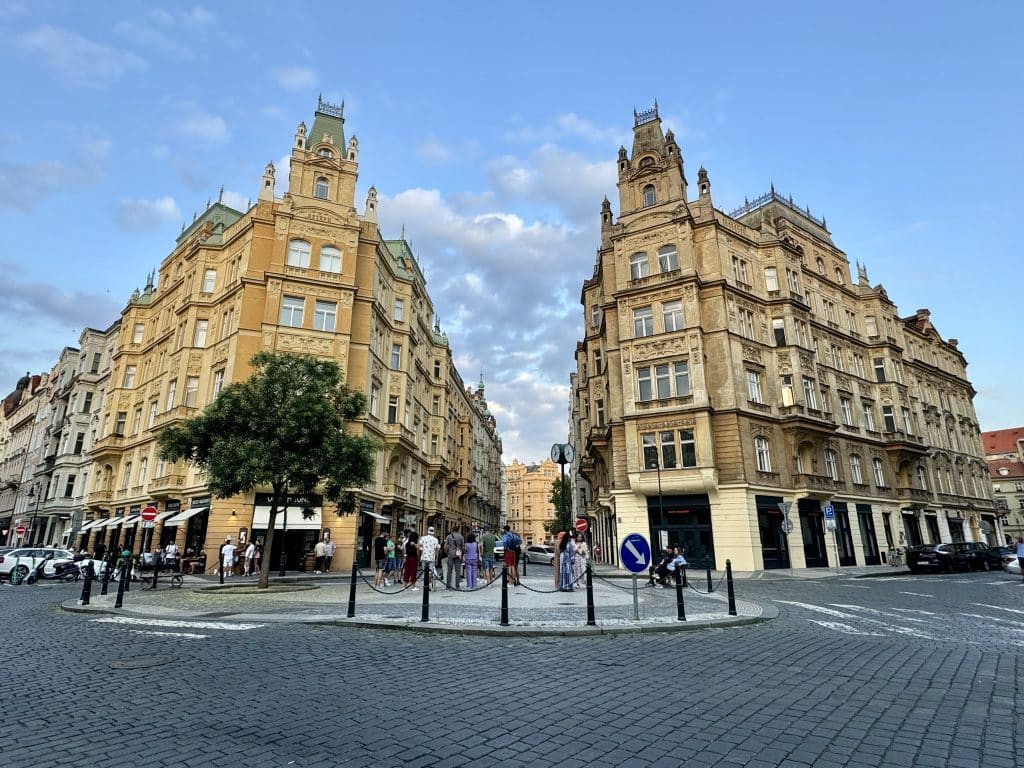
(220, 197)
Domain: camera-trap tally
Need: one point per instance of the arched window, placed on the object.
(668, 259)
(763, 454)
(839, 275)
(330, 259)
(646, 161)
(638, 266)
(321, 189)
(649, 197)
(325, 152)
(298, 254)
(820, 263)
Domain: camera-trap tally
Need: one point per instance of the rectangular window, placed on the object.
(879, 363)
(643, 322)
(330, 259)
(779, 331)
(129, 376)
(746, 323)
(599, 412)
(638, 266)
(869, 416)
(771, 279)
(292, 308)
(739, 270)
(871, 325)
(649, 447)
(672, 314)
(847, 411)
(119, 422)
(595, 315)
(908, 425)
(325, 315)
(435, 405)
(793, 281)
(598, 362)
(830, 310)
(399, 310)
(437, 369)
(433, 444)
(396, 357)
(298, 254)
(662, 381)
(218, 382)
(754, 386)
(889, 417)
(786, 385)
(69, 487)
(79, 443)
(837, 357)
(138, 331)
(152, 414)
(668, 450)
(645, 391)
(858, 364)
(126, 480)
(879, 472)
(209, 280)
(191, 391)
(374, 399)
(172, 391)
(199, 339)
(137, 421)
(855, 473)
(763, 454)
(681, 373)
(830, 465)
(392, 409)
(810, 399)
(96, 359)
(687, 448)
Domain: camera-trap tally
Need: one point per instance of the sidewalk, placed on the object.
(535, 608)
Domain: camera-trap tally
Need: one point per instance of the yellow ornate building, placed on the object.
(737, 392)
(303, 273)
(528, 488)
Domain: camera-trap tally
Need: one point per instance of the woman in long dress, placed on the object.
(579, 562)
(567, 548)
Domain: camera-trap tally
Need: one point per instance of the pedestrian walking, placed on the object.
(429, 548)
(250, 558)
(1020, 555)
(329, 556)
(390, 562)
(453, 544)
(566, 550)
(511, 542)
(472, 559)
(320, 551)
(227, 556)
(257, 557)
(410, 567)
(400, 544)
(487, 542)
(380, 556)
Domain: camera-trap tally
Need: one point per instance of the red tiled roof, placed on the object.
(1002, 440)
(1015, 469)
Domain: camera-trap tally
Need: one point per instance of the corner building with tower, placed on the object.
(301, 273)
(734, 384)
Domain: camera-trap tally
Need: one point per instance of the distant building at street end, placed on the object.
(738, 392)
(1004, 451)
(528, 488)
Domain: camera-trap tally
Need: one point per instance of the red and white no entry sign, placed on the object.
(20, 530)
(149, 514)
(582, 525)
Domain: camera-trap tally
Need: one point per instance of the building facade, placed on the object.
(303, 273)
(737, 392)
(1004, 452)
(529, 488)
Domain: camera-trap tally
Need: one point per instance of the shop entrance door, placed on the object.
(812, 531)
(868, 539)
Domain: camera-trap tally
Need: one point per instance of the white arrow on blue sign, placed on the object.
(830, 513)
(635, 553)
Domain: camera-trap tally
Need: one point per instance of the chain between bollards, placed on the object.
(503, 619)
(728, 582)
(680, 605)
(88, 574)
(591, 618)
(428, 569)
(352, 591)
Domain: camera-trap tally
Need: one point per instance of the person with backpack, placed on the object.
(511, 542)
(453, 544)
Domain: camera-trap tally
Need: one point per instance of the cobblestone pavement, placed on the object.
(923, 671)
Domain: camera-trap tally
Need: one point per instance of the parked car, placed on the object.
(1013, 567)
(27, 558)
(1007, 555)
(540, 553)
(499, 551)
(936, 557)
(980, 557)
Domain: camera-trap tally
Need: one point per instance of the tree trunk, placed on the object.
(279, 492)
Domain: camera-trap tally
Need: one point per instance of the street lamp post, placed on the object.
(35, 513)
(654, 463)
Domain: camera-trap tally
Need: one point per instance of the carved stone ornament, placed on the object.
(273, 287)
(752, 353)
(294, 342)
(312, 230)
(662, 347)
(268, 340)
(318, 215)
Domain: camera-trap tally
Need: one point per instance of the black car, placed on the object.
(980, 557)
(936, 557)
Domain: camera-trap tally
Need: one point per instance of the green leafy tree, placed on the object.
(563, 519)
(284, 428)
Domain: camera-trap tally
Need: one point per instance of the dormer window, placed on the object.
(321, 189)
(644, 162)
(649, 196)
(325, 152)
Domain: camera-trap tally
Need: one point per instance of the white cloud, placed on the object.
(145, 215)
(24, 184)
(76, 59)
(203, 127)
(434, 153)
(235, 200)
(294, 78)
(569, 125)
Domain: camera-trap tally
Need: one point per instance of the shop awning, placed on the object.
(375, 516)
(130, 522)
(90, 525)
(161, 516)
(184, 515)
(111, 523)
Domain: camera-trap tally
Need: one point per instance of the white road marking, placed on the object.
(846, 629)
(1014, 622)
(178, 624)
(818, 609)
(840, 615)
(999, 608)
(999, 583)
(876, 612)
(915, 610)
(185, 635)
(854, 586)
(916, 594)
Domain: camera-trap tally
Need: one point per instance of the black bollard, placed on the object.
(425, 614)
(685, 584)
(107, 568)
(128, 581)
(88, 575)
(728, 582)
(523, 558)
(708, 563)
(591, 618)
(503, 619)
(352, 590)
(156, 570)
(680, 606)
(122, 586)
(221, 567)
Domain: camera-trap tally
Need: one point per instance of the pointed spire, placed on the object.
(220, 197)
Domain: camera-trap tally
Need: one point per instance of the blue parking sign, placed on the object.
(830, 513)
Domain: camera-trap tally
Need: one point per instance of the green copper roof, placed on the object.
(221, 217)
(330, 120)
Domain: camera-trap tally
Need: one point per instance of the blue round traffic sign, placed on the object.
(635, 553)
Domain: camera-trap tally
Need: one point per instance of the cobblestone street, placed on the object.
(914, 671)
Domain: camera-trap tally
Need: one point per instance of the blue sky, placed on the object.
(490, 132)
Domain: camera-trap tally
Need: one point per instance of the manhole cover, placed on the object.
(142, 662)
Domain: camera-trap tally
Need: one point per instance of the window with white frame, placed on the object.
(855, 473)
(120, 419)
(754, 386)
(879, 365)
(771, 279)
(739, 270)
(153, 406)
(330, 259)
(138, 331)
(662, 381)
(595, 315)
(879, 472)
(889, 418)
(325, 315)
(745, 319)
(645, 391)
(763, 454)
(672, 314)
(681, 377)
(667, 447)
(868, 409)
(793, 280)
(922, 478)
(322, 188)
(870, 325)
(172, 390)
(392, 409)
(638, 266)
(810, 398)
(908, 424)
(399, 313)
(599, 412)
(298, 254)
(649, 197)
(837, 357)
(779, 331)
(374, 398)
(649, 450)
(292, 308)
(191, 391)
(643, 321)
(143, 469)
(209, 280)
(396, 357)
(127, 478)
(830, 464)
(786, 386)
(129, 376)
(598, 362)
(199, 337)
(668, 258)
(69, 487)
(218, 382)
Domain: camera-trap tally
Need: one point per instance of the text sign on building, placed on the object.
(635, 553)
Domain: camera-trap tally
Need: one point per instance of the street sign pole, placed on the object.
(636, 599)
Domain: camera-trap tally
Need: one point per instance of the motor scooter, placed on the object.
(61, 572)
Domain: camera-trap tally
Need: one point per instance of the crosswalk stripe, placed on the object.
(178, 623)
(998, 608)
(916, 594)
(184, 635)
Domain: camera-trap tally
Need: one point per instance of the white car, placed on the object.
(540, 553)
(24, 559)
(1012, 567)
